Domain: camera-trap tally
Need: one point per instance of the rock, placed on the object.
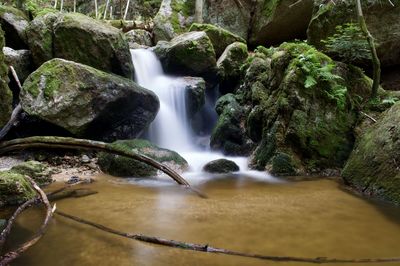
(14, 189)
(5, 93)
(14, 23)
(228, 134)
(383, 21)
(228, 15)
(107, 103)
(172, 19)
(276, 21)
(229, 66)
(85, 159)
(373, 167)
(40, 172)
(221, 166)
(220, 38)
(139, 39)
(195, 94)
(300, 110)
(20, 60)
(125, 167)
(188, 54)
(40, 34)
(79, 38)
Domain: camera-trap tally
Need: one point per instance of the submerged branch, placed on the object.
(209, 249)
(12, 255)
(79, 144)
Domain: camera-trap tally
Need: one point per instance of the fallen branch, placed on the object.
(12, 255)
(79, 144)
(13, 120)
(368, 116)
(209, 249)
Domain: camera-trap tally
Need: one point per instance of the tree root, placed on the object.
(210, 249)
(12, 255)
(79, 144)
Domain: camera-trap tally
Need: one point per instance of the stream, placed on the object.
(309, 218)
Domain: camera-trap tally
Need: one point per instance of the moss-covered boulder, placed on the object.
(173, 18)
(229, 134)
(191, 54)
(138, 38)
(40, 172)
(86, 101)
(373, 167)
(300, 109)
(221, 166)
(21, 60)
(5, 93)
(125, 167)
(14, 22)
(220, 38)
(382, 18)
(79, 38)
(229, 66)
(14, 189)
(276, 21)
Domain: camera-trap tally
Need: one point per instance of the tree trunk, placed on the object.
(375, 60)
(126, 10)
(95, 8)
(198, 14)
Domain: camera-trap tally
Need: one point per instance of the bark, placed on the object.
(126, 10)
(210, 249)
(375, 59)
(12, 255)
(13, 120)
(79, 144)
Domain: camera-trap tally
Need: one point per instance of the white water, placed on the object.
(171, 128)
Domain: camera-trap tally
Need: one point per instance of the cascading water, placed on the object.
(171, 128)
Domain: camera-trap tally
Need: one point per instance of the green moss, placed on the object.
(5, 92)
(14, 189)
(282, 165)
(36, 170)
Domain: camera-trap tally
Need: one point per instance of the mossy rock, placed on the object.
(14, 22)
(373, 167)
(106, 102)
(191, 54)
(36, 170)
(125, 167)
(221, 166)
(138, 38)
(220, 38)
(5, 92)
(14, 189)
(382, 19)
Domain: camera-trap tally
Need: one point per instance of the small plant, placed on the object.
(348, 44)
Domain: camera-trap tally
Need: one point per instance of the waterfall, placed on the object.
(171, 128)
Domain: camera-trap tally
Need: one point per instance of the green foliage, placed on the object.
(319, 70)
(348, 44)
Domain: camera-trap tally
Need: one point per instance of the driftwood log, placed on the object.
(12, 255)
(84, 144)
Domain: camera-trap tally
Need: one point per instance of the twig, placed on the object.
(368, 116)
(15, 76)
(210, 249)
(295, 3)
(79, 144)
(12, 255)
(13, 119)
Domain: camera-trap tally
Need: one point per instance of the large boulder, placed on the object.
(138, 38)
(276, 21)
(230, 64)
(221, 166)
(172, 19)
(14, 23)
(195, 89)
(20, 60)
(220, 38)
(14, 189)
(229, 135)
(79, 38)
(373, 167)
(188, 54)
(5, 93)
(234, 16)
(125, 167)
(382, 18)
(300, 109)
(86, 101)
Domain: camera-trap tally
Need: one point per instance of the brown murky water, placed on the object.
(308, 219)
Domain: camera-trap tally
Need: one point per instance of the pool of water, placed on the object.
(306, 219)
